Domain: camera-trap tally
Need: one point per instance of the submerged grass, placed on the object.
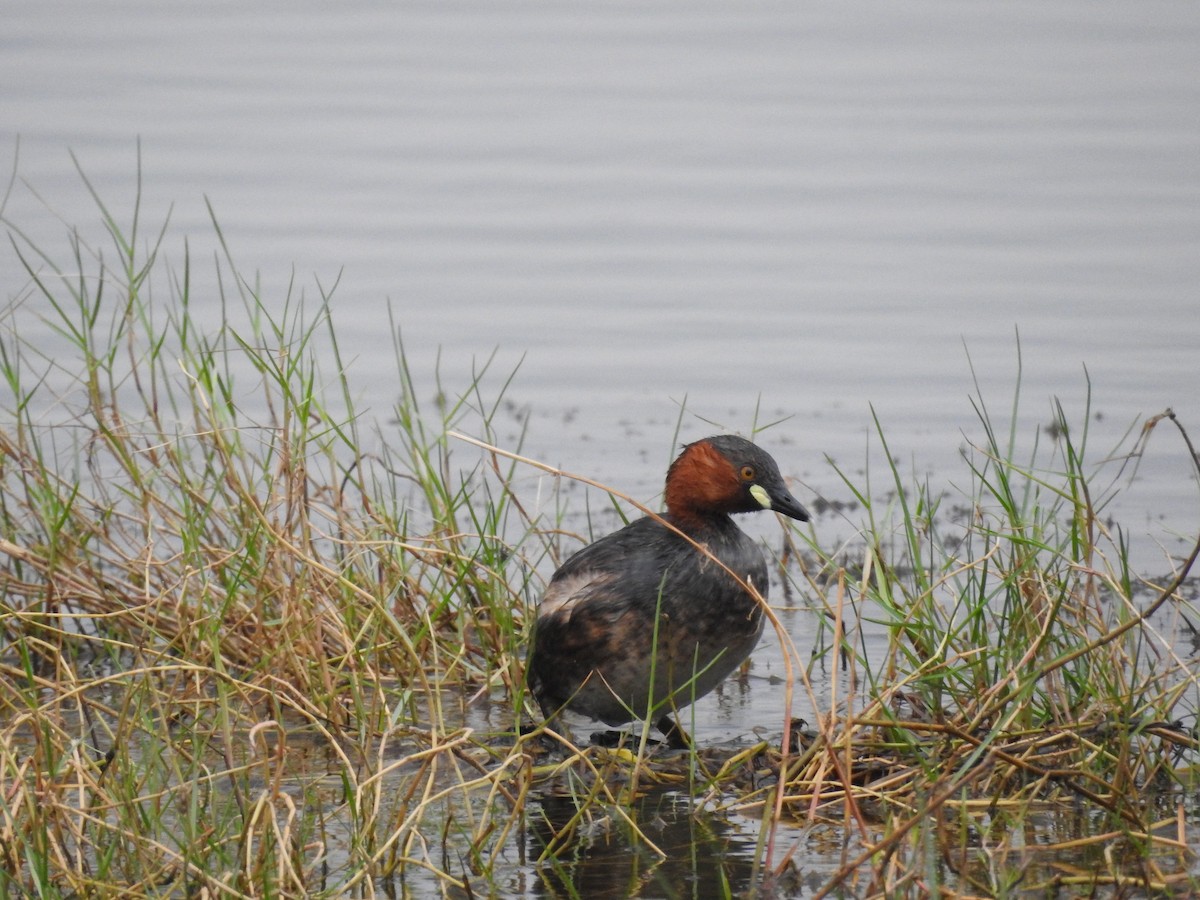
(240, 635)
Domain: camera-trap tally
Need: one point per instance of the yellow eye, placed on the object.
(748, 473)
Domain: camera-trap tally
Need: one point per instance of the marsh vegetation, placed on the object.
(253, 644)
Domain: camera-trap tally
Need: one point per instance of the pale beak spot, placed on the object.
(759, 493)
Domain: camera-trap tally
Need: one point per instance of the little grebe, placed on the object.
(641, 623)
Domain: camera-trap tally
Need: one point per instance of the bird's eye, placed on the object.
(748, 473)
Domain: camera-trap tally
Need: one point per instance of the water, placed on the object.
(810, 207)
(776, 211)
(817, 211)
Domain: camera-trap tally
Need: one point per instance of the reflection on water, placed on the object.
(981, 848)
(702, 855)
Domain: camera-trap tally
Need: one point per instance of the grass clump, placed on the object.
(206, 579)
(1019, 673)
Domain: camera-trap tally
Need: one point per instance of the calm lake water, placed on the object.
(816, 208)
(809, 210)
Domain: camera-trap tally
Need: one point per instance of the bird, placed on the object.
(647, 619)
